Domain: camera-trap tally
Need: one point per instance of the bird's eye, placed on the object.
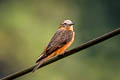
(65, 23)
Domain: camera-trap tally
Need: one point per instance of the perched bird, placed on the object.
(61, 40)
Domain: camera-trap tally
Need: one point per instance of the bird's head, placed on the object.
(67, 23)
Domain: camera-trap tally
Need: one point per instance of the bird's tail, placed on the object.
(38, 64)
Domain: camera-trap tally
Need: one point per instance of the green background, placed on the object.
(26, 27)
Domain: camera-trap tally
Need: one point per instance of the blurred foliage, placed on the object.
(26, 27)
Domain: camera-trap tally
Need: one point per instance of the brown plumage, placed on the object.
(61, 40)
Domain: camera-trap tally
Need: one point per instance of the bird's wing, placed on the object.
(60, 38)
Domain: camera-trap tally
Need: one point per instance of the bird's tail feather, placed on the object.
(38, 65)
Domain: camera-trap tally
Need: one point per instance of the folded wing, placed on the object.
(60, 38)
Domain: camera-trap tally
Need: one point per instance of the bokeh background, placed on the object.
(26, 27)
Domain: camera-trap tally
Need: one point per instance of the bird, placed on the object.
(58, 44)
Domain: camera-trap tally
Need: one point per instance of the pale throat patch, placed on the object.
(67, 28)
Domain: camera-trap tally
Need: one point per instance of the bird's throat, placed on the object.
(67, 28)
